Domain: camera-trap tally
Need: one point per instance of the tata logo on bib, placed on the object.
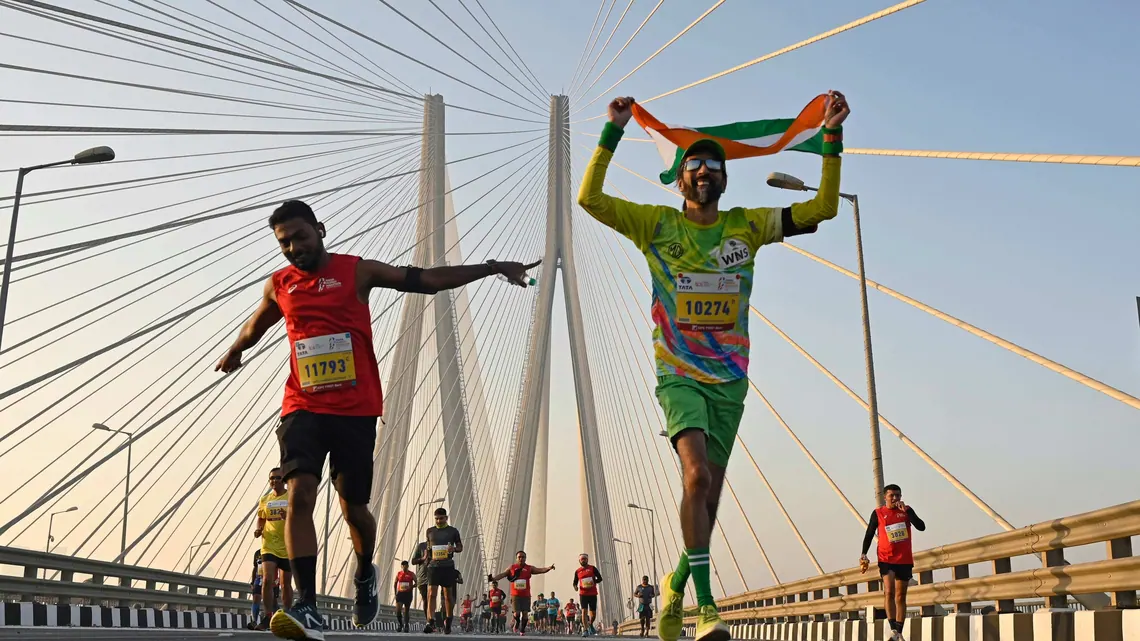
(731, 253)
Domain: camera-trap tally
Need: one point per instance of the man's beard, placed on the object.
(703, 194)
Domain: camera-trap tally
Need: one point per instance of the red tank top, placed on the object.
(519, 576)
(586, 582)
(894, 536)
(332, 368)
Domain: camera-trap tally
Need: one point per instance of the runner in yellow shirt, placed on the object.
(271, 510)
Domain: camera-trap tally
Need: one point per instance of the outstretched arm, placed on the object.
(534, 570)
(373, 273)
(265, 316)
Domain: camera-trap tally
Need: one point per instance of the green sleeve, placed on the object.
(765, 226)
(825, 205)
(634, 221)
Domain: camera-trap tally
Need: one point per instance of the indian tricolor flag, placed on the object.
(739, 139)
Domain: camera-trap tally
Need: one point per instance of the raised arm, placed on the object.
(534, 570)
(265, 316)
(373, 274)
(636, 222)
(918, 523)
(805, 217)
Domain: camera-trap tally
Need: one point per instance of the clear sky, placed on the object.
(1041, 255)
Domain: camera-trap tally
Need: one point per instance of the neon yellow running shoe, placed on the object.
(672, 616)
(710, 627)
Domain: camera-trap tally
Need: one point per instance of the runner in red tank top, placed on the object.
(892, 525)
(332, 396)
(519, 575)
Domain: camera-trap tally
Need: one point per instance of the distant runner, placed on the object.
(644, 594)
(701, 263)
(272, 510)
(519, 575)
(586, 580)
(404, 588)
(332, 395)
(891, 524)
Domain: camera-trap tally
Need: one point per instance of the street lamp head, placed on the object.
(205, 542)
(94, 154)
(634, 506)
(100, 426)
(72, 508)
(785, 181)
(663, 433)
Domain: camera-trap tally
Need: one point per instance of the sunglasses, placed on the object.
(693, 164)
(275, 478)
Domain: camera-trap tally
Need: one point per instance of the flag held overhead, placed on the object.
(738, 139)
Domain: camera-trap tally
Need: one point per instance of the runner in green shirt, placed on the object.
(701, 263)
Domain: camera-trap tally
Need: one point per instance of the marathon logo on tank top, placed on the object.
(327, 283)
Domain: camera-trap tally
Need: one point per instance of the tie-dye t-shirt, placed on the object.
(702, 276)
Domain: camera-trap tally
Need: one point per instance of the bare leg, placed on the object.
(287, 588)
(900, 601)
(300, 533)
(362, 529)
(696, 524)
(889, 595)
(433, 590)
(268, 576)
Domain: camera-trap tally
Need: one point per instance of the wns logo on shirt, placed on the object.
(731, 253)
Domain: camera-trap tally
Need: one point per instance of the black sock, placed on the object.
(305, 573)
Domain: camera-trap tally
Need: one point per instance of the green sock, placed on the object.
(681, 574)
(699, 567)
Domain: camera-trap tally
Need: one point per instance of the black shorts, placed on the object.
(588, 602)
(305, 438)
(404, 598)
(520, 604)
(646, 611)
(282, 564)
(443, 576)
(902, 572)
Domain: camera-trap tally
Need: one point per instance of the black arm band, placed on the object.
(412, 281)
(789, 226)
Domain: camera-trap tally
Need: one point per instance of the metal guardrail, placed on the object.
(836, 595)
(114, 584)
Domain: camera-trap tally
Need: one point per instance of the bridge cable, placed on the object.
(526, 71)
(108, 301)
(578, 91)
(207, 60)
(803, 43)
(580, 73)
(584, 92)
(647, 60)
(401, 54)
(589, 39)
(182, 222)
(461, 56)
(485, 52)
(70, 482)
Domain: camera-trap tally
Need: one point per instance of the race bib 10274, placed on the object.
(707, 302)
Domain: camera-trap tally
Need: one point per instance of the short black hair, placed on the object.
(890, 487)
(291, 209)
(439, 511)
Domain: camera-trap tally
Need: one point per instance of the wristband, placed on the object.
(832, 141)
(494, 266)
(611, 134)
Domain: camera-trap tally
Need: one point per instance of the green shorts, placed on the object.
(713, 408)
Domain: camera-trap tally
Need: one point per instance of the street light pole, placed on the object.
(95, 154)
(192, 551)
(127, 483)
(785, 181)
(51, 517)
(632, 581)
(653, 537)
